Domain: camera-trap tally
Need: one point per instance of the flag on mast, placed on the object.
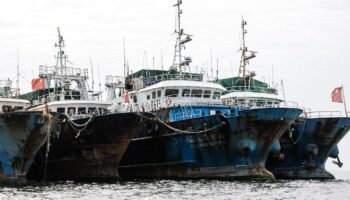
(337, 95)
(126, 96)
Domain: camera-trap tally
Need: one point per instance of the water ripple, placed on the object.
(172, 189)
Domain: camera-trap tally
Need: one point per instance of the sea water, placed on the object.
(183, 189)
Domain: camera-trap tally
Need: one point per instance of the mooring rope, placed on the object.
(178, 130)
(79, 127)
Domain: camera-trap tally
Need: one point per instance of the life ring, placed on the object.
(168, 102)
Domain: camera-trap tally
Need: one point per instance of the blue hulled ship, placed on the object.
(22, 134)
(190, 133)
(91, 141)
(302, 151)
(307, 145)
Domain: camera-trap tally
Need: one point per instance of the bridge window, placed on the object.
(18, 108)
(61, 110)
(196, 93)
(6, 108)
(260, 103)
(171, 92)
(159, 93)
(216, 95)
(91, 110)
(102, 110)
(71, 110)
(206, 94)
(153, 94)
(148, 97)
(185, 92)
(81, 110)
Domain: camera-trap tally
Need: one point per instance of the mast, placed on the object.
(60, 58)
(179, 62)
(92, 77)
(246, 55)
(17, 78)
(99, 80)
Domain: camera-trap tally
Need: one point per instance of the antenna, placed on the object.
(92, 78)
(180, 42)
(246, 55)
(60, 58)
(17, 80)
(99, 80)
(211, 63)
(217, 69)
(161, 58)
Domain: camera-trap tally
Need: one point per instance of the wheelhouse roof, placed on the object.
(184, 84)
(10, 100)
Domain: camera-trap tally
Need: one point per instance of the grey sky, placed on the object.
(306, 42)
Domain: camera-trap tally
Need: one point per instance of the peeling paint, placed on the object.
(307, 147)
(22, 134)
(165, 153)
(95, 154)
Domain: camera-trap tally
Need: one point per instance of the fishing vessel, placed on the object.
(190, 134)
(92, 141)
(22, 134)
(308, 144)
(303, 149)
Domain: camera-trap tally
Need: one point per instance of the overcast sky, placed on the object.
(305, 42)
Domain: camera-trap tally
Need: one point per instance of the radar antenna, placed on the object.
(246, 56)
(182, 38)
(60, 57)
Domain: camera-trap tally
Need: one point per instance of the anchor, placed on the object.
(337, 162)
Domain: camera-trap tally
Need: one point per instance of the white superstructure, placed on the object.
(176, 92)
(245, 91)
(7, 102)
(152, 90)
(66, 89)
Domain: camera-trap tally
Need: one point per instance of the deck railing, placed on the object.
(321, 114)
(45, 71)
(268, 90)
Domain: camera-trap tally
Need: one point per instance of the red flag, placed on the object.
(126, 96)
(337, 95)
(38, 84)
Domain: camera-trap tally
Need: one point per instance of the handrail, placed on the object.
(253, 89)
(320, 114)
(68, 71)
(191, 100)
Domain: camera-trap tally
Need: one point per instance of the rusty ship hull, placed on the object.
(307, 146)
(92, 154)
(22, 134)
(233, 147)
